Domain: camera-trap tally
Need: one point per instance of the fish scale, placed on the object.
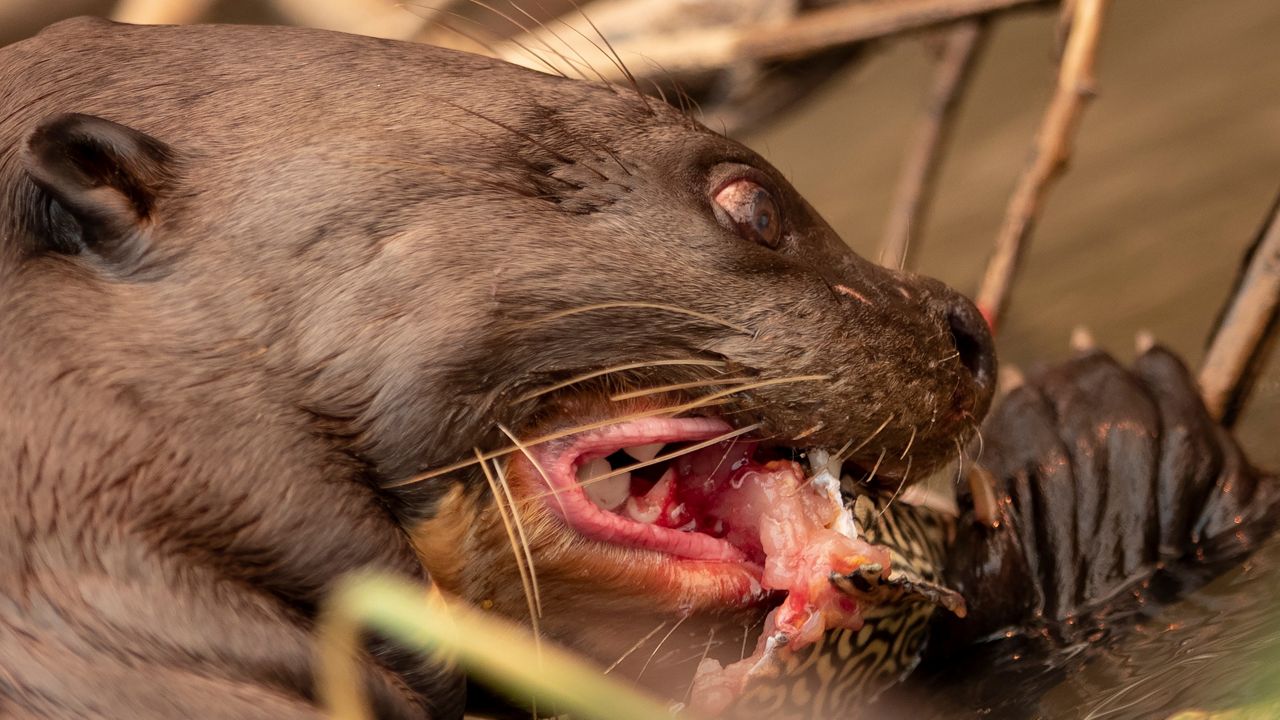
(849, 668)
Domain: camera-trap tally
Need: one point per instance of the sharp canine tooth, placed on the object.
(654, 501)
(658, 493)
(609, 493)
(634, 512)
(644, 453)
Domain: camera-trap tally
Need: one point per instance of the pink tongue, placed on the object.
(773, 507)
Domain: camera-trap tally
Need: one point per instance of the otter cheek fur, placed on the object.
(305, 277)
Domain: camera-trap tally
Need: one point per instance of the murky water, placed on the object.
(1217, 648)
(1177, 162)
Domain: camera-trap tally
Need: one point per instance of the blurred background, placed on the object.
(1176, 164)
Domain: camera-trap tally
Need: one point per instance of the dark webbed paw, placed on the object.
(1104, 476)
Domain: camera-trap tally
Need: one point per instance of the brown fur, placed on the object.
(305, 266)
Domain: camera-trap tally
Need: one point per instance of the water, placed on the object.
(1217, 648)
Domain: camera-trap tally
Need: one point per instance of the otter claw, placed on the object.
(1144, 341)
(982, 486)
(1082, 339)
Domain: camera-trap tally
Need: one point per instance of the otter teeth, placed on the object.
(644, 453)
(609, 493)
(648, 508)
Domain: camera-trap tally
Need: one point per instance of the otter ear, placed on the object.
(101, 181)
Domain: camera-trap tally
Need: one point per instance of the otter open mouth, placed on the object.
(712, 499)
(692, 488)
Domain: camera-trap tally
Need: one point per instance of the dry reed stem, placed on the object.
(915, 187)
(711, 49)
(484, 646)
(1051, 151)
(1247, 329)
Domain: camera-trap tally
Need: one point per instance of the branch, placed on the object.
(1050, 153)
(1247, 329)
(919, 171)
(711, 49)
(159, 12)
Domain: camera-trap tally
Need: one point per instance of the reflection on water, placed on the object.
(1215, 648)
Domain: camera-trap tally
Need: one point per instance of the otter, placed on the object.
(273, 300)
(258, 280)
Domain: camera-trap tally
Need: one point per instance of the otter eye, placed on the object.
(752, 210)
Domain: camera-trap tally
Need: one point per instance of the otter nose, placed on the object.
(972, 338)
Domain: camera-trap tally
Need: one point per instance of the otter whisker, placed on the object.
(537, 466)
(839, 455)
(660, 644)
(661, 94)
(442, 169)
(534, 614)
(559, 54)
(517, 43)
(622, 66)
(945, 358)
(874, 468)
(544, 439)
(760, 384)
(634, 647)
(524, 539)
(982, 444)
(643, 306)
(809, 431)
(631, 394)
(524, 136)
(681, 95)
(666, 456)
(570, 47)
(704, 401)
(905, 474)
(910, 441)
(616, 368)
(842, 456)
(706, 650)
(720, 462)
(438, 10)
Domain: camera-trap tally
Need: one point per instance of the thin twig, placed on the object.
(1248, 327)
(919, 171)
(707, 49)
(1050, 153)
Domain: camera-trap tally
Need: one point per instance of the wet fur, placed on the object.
(337, 274)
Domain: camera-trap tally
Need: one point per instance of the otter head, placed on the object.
(440, 267)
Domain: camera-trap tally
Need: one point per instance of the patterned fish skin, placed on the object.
(849, 668)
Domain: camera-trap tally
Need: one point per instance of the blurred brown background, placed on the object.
(1176, 164)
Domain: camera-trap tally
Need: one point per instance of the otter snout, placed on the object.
(972, 338)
